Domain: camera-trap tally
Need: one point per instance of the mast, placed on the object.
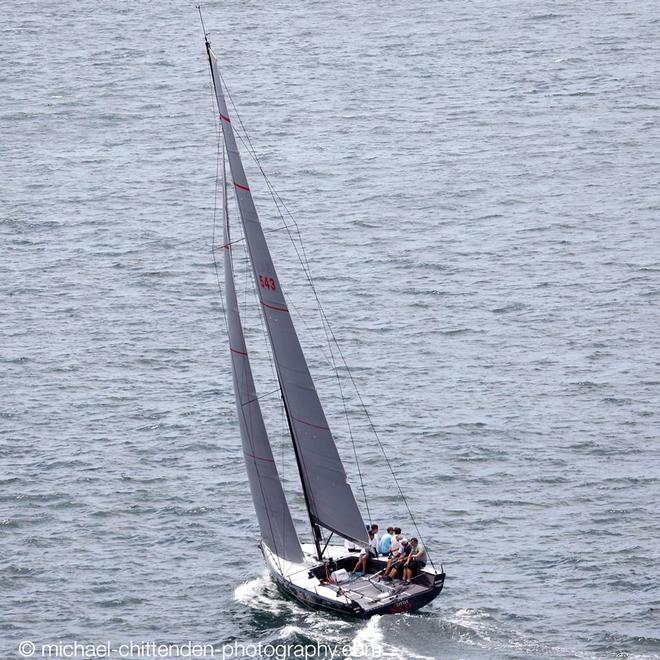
(329, 498)
(316, 531)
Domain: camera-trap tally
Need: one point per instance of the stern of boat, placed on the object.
(362, 596)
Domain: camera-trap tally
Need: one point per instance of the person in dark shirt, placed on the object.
(416, 560)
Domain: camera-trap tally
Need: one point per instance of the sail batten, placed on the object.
(275, 523)
(330, 500)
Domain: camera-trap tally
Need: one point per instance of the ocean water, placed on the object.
(477, 188)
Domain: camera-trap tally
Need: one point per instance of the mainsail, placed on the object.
(277, 528)
(330, 500)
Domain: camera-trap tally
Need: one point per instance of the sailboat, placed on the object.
(316, 574)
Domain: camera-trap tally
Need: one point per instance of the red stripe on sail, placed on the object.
(241, 186)
(277, 309)
(225, 118)
(259, 458)
(235, 350)
(316, 426)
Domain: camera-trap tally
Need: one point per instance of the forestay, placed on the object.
(277, 528)
(330, 500)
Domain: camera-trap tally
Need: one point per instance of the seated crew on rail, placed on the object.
(395, 548)
(376, 541)
(351, 546)
(365, 554)
(396, 562)
(415, 562)
(385, 542)
(396, 542)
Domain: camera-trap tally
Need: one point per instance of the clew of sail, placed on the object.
(329, 497)
(277, 528)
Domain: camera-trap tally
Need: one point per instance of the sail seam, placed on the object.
(259, 458)
(316, 426)
(277, 309)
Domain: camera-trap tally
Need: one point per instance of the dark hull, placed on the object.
(403, 604)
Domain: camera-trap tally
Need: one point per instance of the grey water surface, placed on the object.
(477, 188)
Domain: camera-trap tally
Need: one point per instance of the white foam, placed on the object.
(291, 631)
(369, 637)
(369, 642)
(257, 593)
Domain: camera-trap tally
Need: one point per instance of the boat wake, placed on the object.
(382, 636)
(260, 593)
(370, 641)
(478, 630)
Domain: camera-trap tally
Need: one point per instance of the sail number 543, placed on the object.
(267, 283)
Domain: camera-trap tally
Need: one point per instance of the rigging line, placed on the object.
(375, 432)
(230, 256)
(247, 291)
(282, 443)
(261, 396)
(304, 262)
(236, 241)
(262, 316)
(328, 541)
(220, 139)
(355, 454)
(331, 362)
(215, 211)
(325, 320)
(247, 143)
(326, 327)
(274, 194)
(267, 394)
(282, 422)
(387, 460)
(247, 419)
(217, 273)
(249, 277)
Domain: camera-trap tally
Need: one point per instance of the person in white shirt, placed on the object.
(376, 540)
(396, 541)
(365, 554)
